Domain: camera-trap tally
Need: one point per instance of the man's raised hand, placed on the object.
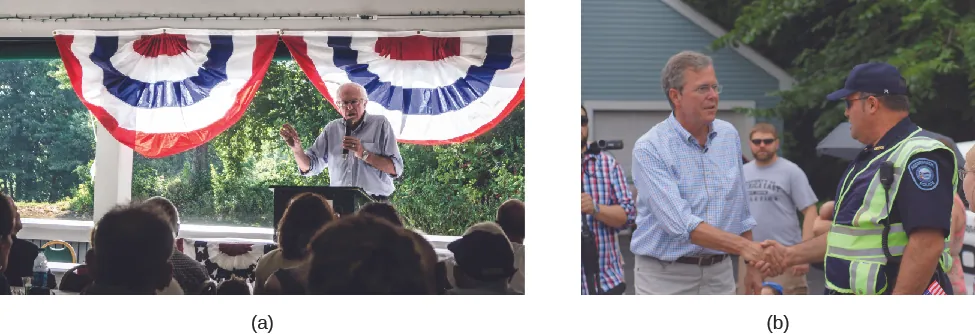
(290, 136)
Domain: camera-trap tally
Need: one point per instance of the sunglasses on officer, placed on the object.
(585, 120)
(765, 141)
(849, 102)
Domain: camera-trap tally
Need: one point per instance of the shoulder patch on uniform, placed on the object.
(924, 172)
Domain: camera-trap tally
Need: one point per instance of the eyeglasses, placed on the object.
(585, 120)
(350, 103)
(760, 141)
(704, 89)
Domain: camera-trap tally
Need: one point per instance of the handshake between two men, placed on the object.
(770, 258)
(773, 259)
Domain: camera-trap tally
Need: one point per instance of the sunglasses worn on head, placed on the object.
(760, 141)
(585, 120)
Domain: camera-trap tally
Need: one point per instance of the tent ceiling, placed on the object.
(34, 10)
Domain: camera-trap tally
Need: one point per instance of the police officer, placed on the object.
(893, 205)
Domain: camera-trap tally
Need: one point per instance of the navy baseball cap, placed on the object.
(874, 78)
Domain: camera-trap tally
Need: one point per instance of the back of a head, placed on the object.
(383, 210)
(306, 214)
(167, 207)
(233, 287)
(134, 247)
(484, 253)
(363, 255)
(511, 218)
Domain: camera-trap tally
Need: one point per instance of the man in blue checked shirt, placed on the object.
(606, 210)
(692, 211)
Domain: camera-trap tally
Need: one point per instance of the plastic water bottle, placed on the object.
(40, 271)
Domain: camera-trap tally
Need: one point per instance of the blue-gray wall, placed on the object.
(626, 43)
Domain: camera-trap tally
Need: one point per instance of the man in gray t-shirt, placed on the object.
(777, 189)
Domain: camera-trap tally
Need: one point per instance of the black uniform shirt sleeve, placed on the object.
(925, 194)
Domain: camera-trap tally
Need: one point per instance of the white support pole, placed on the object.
(113, 172)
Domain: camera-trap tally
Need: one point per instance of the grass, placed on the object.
(58, 210)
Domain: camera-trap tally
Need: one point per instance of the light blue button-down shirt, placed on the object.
(376, 135)
(681, 184)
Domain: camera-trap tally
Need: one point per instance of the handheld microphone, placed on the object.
(348, 132)
(886, 174)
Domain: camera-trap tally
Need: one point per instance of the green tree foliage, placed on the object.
(46, 131)
(819, 42)
(443, 190)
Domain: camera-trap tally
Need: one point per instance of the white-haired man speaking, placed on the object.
(359, 150)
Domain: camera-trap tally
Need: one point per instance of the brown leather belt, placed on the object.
(703, 261)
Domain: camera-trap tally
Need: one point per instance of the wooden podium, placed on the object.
(345, 200)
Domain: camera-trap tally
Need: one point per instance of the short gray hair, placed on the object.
(365, 95)
(892, 102)
(672, 75)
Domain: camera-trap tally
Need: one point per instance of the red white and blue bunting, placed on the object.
(433, 87)
(166, 91)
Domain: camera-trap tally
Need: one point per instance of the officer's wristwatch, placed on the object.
(595, 207)
(365, 155)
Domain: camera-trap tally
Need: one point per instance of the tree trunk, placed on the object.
(200, 161)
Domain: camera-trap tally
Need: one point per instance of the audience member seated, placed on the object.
(20, 262)
(383, 210)
(6, 239)
(484, 261)
(511, 218)
(132, 248)
(233, 286)
(188, 272)
(306, 214)
(362, 255)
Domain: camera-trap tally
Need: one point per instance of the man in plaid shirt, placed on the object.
(606, 210)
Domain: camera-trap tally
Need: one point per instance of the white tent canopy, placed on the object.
(36, 18)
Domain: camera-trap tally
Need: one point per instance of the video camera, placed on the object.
(604, 145)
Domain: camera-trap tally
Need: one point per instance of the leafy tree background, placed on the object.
(49, 143)
(819, 42)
